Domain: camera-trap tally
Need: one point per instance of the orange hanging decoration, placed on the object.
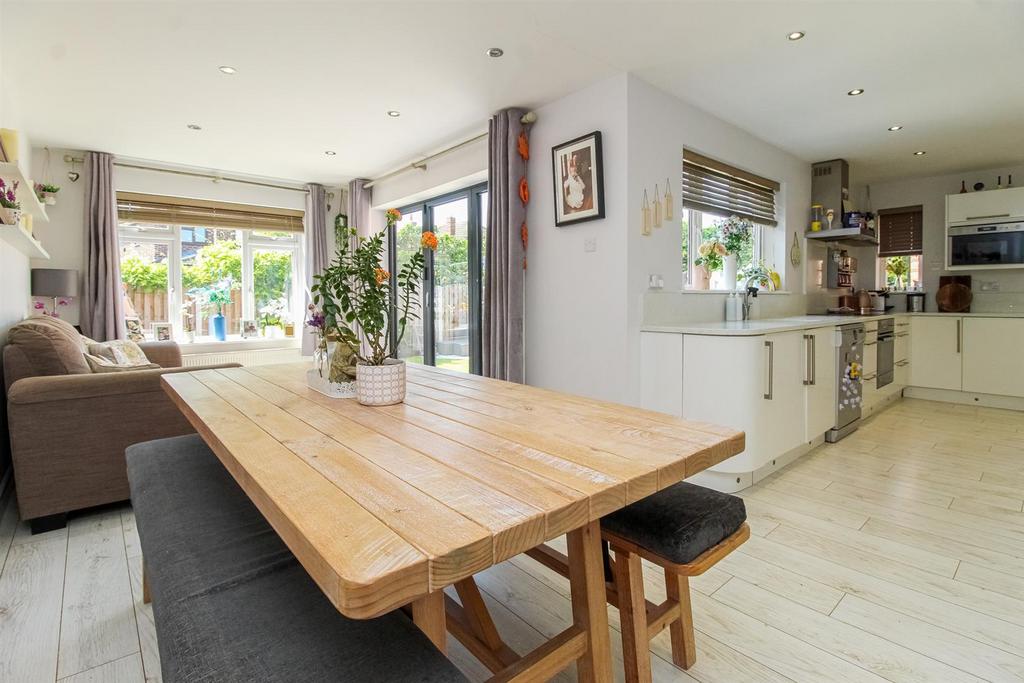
(524, 190)
(524, 234)
(524, 147)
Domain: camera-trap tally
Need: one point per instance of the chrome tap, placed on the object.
(751, 292)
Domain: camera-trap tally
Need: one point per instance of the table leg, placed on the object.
(428, 614)
(589, 610)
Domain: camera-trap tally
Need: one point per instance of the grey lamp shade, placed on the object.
(54, 282)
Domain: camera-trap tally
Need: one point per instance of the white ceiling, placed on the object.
(127, 77)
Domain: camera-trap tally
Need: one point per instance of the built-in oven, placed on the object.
(886, 347)
(988, 245)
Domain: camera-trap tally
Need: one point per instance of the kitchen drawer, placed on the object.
(901, 346)
(902, 373)
(870, 357)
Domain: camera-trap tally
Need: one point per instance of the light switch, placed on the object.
(590, 244)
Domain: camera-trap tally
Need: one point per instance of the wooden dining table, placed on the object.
(385, 507)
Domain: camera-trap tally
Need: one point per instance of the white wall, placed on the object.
(930, 193)
(576, 301)
(452, 171)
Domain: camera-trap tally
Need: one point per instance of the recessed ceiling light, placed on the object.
(796, 35)
(895, 128)
(920, 153)
(228, 70)
(330, 153)
(194, 126)
(855, 92)
(495, 52)
(394, 114)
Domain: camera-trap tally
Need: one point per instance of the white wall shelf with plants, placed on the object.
(11, 172)
(19, 237)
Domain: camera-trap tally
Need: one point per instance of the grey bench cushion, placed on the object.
(231, 602)
(680, 522)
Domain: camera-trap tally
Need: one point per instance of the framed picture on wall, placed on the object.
(162, 332)
(578, 180)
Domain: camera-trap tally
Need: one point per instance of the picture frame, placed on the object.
(133, 326)
(162, 331)
(249, 329)
(578, 179)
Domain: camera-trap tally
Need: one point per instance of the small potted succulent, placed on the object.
(10, 207)
(47, 193)
(352, 299)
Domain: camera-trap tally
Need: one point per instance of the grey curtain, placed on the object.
(505, 258)
(359, 197)
(314, 237)
(103, 302)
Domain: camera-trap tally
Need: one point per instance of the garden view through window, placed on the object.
(702, 242)
(187, 275)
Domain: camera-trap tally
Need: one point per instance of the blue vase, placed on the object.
(219, 327)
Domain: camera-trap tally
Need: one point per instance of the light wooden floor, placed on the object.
(897, 555)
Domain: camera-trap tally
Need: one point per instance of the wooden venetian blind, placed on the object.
(900, 231)
(151, 208)
(710, 185)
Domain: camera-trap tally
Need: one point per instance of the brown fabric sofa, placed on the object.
(69, 427)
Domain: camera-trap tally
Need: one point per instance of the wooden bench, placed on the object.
(231, 602)
(685, 529)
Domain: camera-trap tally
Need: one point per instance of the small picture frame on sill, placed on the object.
(162, 332)
(133, 326)
(249, 329)
(578, 179)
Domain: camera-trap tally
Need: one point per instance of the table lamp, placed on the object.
(54, 283)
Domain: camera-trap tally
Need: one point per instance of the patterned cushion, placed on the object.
(119, 352)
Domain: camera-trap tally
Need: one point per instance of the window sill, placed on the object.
(730, 291)
(238, 344)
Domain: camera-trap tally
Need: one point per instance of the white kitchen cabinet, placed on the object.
(750, 383)
(935, 349)
(901, 354)
(819, 381)
(661, 372)
(992, 359)
(992, 205)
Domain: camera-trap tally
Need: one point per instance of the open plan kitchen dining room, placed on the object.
(511, 341)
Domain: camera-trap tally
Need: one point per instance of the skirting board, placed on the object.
(965, 398)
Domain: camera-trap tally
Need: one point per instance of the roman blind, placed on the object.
(709, 185)
(152, 208)
(900, 231)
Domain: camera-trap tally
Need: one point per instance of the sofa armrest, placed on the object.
(166, 354)
(76, 387)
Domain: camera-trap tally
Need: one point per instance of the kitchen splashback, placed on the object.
(670, 308)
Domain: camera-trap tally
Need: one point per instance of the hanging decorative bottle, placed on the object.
(645, 209)
(668, 201)
(657, 207)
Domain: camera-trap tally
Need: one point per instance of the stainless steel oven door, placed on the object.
(995, 244)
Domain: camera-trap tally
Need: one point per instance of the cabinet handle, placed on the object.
(870, 343)
(959, 335)
(807, 359)
(814, 360)
(771, 369)
(991, 215)
(902, 334)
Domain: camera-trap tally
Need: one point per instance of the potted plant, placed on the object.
(214, 298)
(766, 278)
(710, 259)
(354, 296)
(735, 233)
(47, 193)
(10, 207)
(188, 321)
(271, 318)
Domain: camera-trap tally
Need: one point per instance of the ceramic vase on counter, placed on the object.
(730, 268)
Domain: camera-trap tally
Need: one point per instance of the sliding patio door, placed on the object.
(447, 333)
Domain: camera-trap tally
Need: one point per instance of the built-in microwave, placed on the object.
(989, 245)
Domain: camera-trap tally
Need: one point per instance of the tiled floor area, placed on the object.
(896, 555)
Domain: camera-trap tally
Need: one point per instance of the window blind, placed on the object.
(900, 231)
(710, 185)
(151, 208)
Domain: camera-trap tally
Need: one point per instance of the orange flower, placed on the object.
(382, 276)
(524, 190)
(428, 240)
(524, 234)
(394, 214)
(524, 147)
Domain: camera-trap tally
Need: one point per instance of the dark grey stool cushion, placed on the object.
(230, 601)
(680, 522)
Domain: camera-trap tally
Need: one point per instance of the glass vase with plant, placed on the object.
(358, 299)
(215, 297)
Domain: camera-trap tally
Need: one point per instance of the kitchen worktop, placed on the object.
(802, 322)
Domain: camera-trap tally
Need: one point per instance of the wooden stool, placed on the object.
(685, 529)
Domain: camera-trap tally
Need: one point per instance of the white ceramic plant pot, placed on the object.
(381, 385)
(10, 216)
(49, 199)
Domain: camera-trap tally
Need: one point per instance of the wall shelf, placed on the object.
(18, 237)
(11, 171)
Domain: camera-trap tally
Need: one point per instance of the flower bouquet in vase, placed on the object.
(10, 207)
(709, 260)
(735, 233)
(356, 303)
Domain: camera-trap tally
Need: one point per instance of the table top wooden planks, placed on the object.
(385, 505)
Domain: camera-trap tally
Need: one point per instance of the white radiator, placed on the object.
(245, 357)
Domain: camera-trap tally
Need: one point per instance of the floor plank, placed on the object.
(125, 670)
